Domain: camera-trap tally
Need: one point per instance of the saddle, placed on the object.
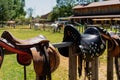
(44, 55)
(71, 34)
(113, 43)
(90, 44)
(113, 47)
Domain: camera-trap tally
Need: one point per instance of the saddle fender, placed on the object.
(39, 60)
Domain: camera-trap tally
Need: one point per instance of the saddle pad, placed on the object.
(71, 34)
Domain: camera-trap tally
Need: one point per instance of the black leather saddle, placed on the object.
(71, 34)
(90, 44)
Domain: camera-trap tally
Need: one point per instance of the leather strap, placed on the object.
(37, 59)
(48, 69)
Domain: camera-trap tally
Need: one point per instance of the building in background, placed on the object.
(103, 12)
(85, 2)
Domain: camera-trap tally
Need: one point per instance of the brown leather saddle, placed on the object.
(113, 47)
(44, 55)
(114, 44)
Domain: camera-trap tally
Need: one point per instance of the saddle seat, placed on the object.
(89, 38)
(23, 43)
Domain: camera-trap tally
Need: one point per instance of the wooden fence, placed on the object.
(73, 63)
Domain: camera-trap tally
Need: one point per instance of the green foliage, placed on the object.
(65, 2)
(63, 9)
(10, 9)
(21, 20)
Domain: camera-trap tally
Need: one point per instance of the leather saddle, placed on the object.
(44, 55)
(113, 43)
(90, 44)
(71, 34)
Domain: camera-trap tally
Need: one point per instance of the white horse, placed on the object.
(36, 25)
(55, 27)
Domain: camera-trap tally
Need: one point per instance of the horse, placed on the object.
(57, 26)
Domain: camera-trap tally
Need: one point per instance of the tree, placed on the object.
(63, 9)
(83, 2)
(11, 9)
(30, 12)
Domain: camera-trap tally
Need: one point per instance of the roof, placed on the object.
(96, 16)
(98, 4)
(64, 18)
(104, 19)
(45, 16)
(11, 22)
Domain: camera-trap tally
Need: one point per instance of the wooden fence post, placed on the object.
(109, 65)
(72, 64)
(95, 69)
